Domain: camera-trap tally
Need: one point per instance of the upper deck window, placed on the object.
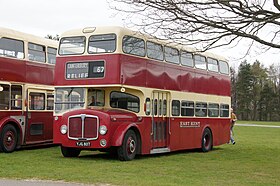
(36, 52)
(72, 45)
(213, 65)
(224, 69)
(51, 55)
(154, 51)
(102, 43)
(11, 48)
(171, 55)
(200, 62)
(187, 58)
(133, 45)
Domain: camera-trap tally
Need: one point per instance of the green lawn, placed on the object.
(253, 160)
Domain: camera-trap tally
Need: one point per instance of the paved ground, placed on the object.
(255, 125)
(7, 182)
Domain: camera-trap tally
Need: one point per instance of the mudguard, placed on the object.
(118, 136)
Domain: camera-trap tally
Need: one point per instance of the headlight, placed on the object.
(102, 129)
(63, 129)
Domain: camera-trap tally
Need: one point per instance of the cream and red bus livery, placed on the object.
(122, 91)
(26, 89)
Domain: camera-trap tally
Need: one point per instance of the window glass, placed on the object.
(164, 108)
(133, 45)
(224, 110)
(11, 48)
(213, 65)
(50, 101)
(160, 107)
(51, 55)
(200, 61)
(187, 108)
(72, 45)
(4, 96)
(213, 110)
(175, 107)
(102, 43)
(69, 98)
(187, 59)
(148, 106)
(200, 109)
(154, 51)
(125, 101)
(36, 52)
(96, 97)
(16, 97)
(155, 107)
(171, 55)
(36, 101)
(224, 69)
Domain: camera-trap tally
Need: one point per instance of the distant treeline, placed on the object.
(256, 92)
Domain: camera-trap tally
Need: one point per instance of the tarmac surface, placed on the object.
(8, 182)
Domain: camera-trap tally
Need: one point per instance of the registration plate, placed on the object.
(83, 143)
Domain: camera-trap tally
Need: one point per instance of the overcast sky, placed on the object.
(43, 17)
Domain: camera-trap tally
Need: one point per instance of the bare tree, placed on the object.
(207, 23)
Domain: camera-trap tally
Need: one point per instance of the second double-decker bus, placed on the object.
(122, 91)
(26, 89)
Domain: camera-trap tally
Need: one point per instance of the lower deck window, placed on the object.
(200, 109)
(124, 101)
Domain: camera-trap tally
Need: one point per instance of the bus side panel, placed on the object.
(172, 77)
(40, 126)
(186, 133)
(132, 71)
(8, 72)
(187, 80)
(145, 129)
(155, 75)
(39, 73)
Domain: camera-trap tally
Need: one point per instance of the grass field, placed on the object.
(253, 160)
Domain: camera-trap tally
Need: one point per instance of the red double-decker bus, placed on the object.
(26, 89)
(122, 91)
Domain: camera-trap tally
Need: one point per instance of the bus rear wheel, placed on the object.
(9, 138)
(70, 152)
(207, 140)
(127, 151)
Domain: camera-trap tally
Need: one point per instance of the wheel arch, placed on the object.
(14, 123)
(119, 134)
(205, 128)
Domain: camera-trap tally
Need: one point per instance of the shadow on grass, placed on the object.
(96, 155)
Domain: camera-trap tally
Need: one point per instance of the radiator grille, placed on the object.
(83, 127)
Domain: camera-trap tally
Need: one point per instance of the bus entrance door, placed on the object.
(39, 118)
(160, 122)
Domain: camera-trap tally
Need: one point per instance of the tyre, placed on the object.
(207, 140)
(70, 152)
(8, 139)
(127, 151)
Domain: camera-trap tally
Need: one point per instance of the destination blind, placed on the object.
(85, 69)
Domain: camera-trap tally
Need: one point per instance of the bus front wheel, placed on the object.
(8, 139)
(207, 140)
(127, 151)
(70, 152)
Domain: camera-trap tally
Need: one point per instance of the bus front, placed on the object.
(92, 110)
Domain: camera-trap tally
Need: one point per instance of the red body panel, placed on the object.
(129, 70)
(26, 72)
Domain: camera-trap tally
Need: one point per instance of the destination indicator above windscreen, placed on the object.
(85, 69)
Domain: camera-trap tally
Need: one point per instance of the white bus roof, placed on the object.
(9, 33)
(121, 31)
